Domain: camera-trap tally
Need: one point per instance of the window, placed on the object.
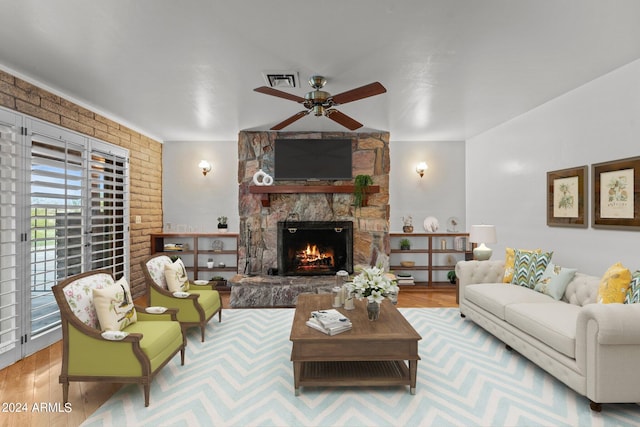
(64, 211)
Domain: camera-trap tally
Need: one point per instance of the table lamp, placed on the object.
(482, 234)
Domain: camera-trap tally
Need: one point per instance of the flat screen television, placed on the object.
(312, 159)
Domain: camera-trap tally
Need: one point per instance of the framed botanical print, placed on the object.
(567, 197)
(616, 194)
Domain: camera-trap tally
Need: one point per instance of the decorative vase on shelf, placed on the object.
(408, 225)
(373, 310)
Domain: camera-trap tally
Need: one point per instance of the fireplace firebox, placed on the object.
(314, 247)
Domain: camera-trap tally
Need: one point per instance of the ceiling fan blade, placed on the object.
(359, 93)
(290, 120)
(343, 119)
(280, 94)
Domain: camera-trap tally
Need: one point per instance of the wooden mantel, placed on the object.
(265, 190)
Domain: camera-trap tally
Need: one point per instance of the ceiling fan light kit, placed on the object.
(321, 103)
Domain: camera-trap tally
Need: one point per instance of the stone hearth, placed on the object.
(275, 291)
(258, 225)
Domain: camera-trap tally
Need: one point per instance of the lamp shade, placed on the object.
(483, 234)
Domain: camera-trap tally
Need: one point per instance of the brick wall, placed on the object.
(145, 156)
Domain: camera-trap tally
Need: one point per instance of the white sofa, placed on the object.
(592, 348)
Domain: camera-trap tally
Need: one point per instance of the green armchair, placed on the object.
(134, 355)
(196, 309)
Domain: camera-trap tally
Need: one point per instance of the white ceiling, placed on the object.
(185, 70)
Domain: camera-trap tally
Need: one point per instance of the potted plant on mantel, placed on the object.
(360, 184)
(222, 224)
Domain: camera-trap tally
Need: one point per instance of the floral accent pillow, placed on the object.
(114, 306)
(176, 276)
(614, 284)
(156, 269)
(79, 295)
(554, 281)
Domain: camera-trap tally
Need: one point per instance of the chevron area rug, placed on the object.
(242, 376)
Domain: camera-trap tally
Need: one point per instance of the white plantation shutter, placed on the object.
(109, 189)
(57, 192)
(64, 205)
(11, 159)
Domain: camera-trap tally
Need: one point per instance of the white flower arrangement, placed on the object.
(373, 284)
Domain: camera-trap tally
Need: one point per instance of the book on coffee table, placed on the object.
(329, 321)
(330, 318)
(331, 330)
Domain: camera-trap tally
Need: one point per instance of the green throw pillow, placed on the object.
(554, 280)
(529, 267)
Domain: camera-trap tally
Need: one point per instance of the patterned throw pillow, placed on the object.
(114, 306)
(633, 293)
(509, 263)
(529, 267)
(554, 280)
(614, 284)
(176, 276)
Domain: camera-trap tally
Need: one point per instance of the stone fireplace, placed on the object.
(307, 248)
(258, 245)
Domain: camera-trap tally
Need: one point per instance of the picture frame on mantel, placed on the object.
(616, 194)
(567, 197)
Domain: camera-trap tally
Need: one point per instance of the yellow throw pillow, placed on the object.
(614, 284)
(510, 261)
(114, 306)
(176, 276)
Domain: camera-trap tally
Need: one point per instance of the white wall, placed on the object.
(194, 200)
(440, 193)
(507, 166)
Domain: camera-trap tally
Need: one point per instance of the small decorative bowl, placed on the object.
(407, 263)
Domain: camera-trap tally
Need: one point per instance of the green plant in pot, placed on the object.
(405, 244)
(361, 182)
(451, 275)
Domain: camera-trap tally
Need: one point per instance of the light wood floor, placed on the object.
(34, 380)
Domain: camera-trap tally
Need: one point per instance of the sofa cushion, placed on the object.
(510, 260)
(553, 323)
(554, 281)
(633, 293)
(176, 276)
(114, 306)
(159, 339)
(494, 297)
(529, 267)
(614, 284)
(582, 290)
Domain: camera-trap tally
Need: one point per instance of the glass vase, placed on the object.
(373, 310)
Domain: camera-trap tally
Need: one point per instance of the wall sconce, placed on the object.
(205, 166)
(421, 167)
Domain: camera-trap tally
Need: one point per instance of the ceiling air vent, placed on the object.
(281, 79)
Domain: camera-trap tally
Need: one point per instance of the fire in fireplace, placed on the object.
(315, 247)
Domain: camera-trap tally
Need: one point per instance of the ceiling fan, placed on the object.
(321, 103)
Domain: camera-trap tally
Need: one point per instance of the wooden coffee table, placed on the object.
(372, 353)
